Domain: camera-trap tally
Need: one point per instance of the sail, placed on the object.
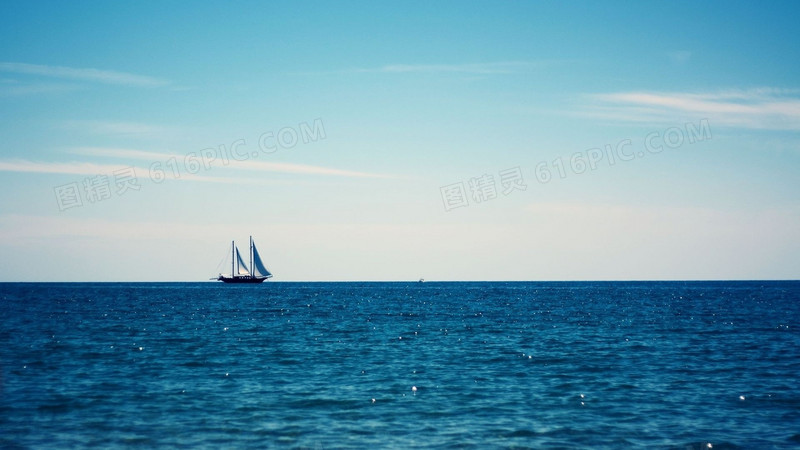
(241, 266)
(258, 266)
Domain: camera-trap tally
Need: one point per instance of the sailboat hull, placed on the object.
(242, 280)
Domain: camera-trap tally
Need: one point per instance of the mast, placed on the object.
(252, 268)
(233, 258)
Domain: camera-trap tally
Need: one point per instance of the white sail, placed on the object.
(241, 266)
(258, 266)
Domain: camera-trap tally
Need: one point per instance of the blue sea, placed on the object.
(400, 365)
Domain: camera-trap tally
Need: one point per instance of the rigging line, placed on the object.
(223, 261)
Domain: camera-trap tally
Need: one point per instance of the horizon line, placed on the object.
(666, 280)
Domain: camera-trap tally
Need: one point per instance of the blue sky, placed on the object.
(380, 141)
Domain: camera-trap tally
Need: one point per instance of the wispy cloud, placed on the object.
(679, 57)
(87, 169)
(92, 169)
(83, 74)
(71, 168)
(14, 88)
(266, 166)
(117, 128)
(125, 153)
(487, 68)
(763, 108)
(220, 162)
(505, 67)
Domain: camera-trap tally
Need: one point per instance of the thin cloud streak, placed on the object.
(217, 162)
(506, 67)
(304, 169)
(70, 168)
(93, 169)
(764, 108)
(679, 57)
(20, 89)
(489, 68)
(122, 153)
(107, 127)
(83, 74)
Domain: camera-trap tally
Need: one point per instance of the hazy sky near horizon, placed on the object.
(393, 141)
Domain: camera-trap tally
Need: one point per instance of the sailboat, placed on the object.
(239, 271)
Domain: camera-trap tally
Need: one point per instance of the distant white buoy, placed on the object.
(373, 400)
(413, 389)
(741, 397)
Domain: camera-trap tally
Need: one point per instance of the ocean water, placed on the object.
(400, 365)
